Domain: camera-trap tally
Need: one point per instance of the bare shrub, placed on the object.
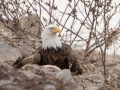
(85, 23)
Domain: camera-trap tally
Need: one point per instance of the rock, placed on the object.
(66, 76)
(11, 79)
(112, 60)
(40, 70)
(20, 63)
(67, 80)
(92, 78)
(118, 67)
(94, 56)
(8, 54)
(115, 70)
(90, 68)
(31, 24)
(90, 81)
(5, 31)
(31, 70)
(114, 76)
(27, 60)
(6, 65)
(50, 87)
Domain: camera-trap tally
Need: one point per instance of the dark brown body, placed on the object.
(60, 57)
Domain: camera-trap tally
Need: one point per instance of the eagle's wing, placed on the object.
(73, 59)
(37, 56)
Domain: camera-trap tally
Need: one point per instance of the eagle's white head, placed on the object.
(50, 37)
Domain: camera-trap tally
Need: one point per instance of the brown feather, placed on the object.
(60, 57)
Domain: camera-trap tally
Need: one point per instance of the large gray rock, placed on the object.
(53, 72)
(66, 76)
(11, 79)
(8, 54)
(67, 79)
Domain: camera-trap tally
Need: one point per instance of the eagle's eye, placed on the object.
(51, 29)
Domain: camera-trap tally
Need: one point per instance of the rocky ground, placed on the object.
(48, 77)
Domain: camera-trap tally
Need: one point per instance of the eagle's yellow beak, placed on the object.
(56, 30)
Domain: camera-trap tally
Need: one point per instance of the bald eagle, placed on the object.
(54, 52)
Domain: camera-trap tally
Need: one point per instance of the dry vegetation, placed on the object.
(21, 23)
